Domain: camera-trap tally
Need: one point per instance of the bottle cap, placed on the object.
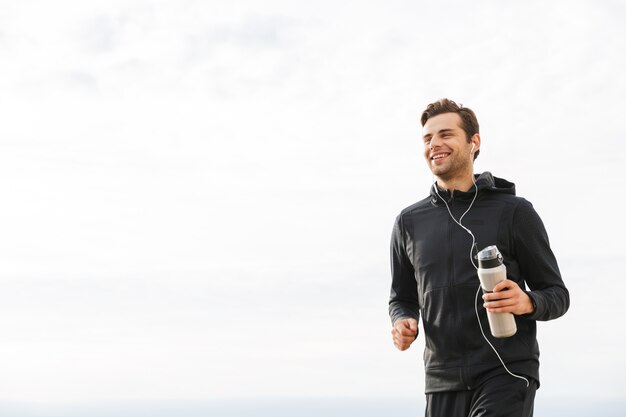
(489, 257)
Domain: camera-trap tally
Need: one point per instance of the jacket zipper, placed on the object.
(451, 230)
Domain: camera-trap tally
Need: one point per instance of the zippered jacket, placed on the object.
(433, 278)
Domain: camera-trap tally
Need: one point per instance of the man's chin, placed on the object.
(438, 171)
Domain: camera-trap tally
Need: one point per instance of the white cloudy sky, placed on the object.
(197, 196)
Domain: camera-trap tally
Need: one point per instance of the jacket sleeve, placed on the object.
(538, 265)
(403, 302)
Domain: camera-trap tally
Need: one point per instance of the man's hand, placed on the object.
(511, 299)
(404, 332)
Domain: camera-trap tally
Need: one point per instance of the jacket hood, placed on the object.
(484, 181)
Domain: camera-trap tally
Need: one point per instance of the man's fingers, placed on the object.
(404, 337)
(513, 308)
(401, 345)
(400, 341)
(404, 332)
(498, 308)
(501, 302)
(507, 297)
(406, 327)
(497, 295)
(501, 310)
(506, 284)
(408, 332)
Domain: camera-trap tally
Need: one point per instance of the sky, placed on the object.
(198, 195)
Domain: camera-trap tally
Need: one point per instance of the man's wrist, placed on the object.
(533, 305)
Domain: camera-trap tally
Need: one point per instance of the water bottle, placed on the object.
(491, 271)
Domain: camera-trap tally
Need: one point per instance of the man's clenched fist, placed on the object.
(404, 332)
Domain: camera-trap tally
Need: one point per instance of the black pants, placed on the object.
(498, 396)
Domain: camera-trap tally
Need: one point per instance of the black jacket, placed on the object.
(432, 276)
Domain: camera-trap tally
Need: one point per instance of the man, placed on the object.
(433, 248)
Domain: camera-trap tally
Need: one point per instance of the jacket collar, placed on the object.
(484, 181)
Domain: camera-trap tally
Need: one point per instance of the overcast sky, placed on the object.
(197, 196)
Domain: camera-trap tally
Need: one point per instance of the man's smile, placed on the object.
(439, 156)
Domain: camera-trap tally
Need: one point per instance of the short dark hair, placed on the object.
(469, 122)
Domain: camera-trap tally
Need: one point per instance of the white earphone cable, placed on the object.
(476, 267)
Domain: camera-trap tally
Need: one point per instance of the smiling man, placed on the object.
(434, 242)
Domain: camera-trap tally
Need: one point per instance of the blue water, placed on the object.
(286, 408)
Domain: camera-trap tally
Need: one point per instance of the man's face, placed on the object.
(446, 149)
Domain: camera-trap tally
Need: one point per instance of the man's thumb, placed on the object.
(413, 324)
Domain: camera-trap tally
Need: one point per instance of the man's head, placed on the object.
(468, 123)
(451, 142)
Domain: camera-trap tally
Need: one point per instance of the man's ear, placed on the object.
(475, 143)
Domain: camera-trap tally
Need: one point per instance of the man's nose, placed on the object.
(434, 142)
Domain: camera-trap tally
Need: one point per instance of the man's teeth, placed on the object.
(441, 155)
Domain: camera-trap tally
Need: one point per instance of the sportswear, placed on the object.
(433, 277)
(499, 396)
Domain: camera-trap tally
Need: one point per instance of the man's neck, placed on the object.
(464, 183)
